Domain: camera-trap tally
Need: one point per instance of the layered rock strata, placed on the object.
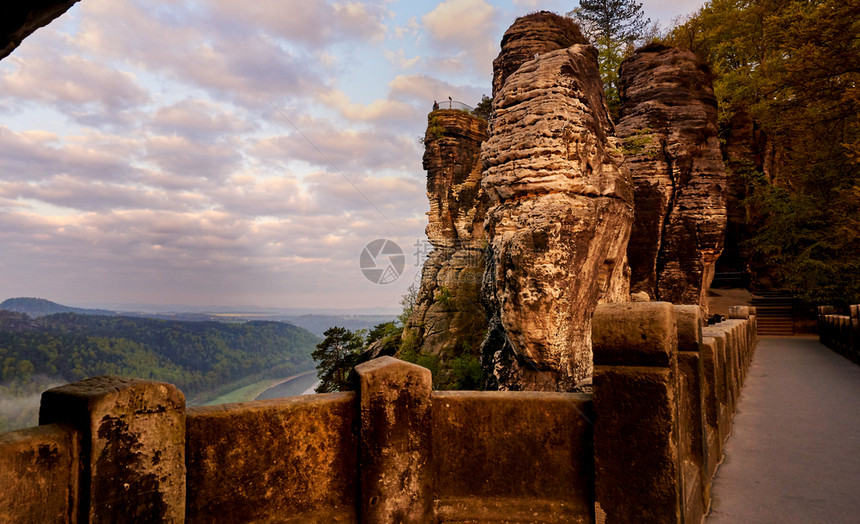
(668, 126)
(529, 36)
(560, 209)
(448, 319)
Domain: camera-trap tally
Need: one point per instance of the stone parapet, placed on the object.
(297, 456)
(840, 333)
(40, 474)
(513, 456)
(132, 453)
(643, 448)
(636, 433)
(664, 391)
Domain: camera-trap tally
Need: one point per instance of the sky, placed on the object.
(227, 153)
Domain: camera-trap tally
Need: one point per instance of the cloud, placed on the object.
(378, 199)
(379, 111)
(71, 193)
(36, 155)
(198, 257)
(399, 60)
(188, 186)
(180, 155)
(72, 83)
(337, 148)
(313, 22)
(250, 67)
(411, 28)
(465, 29)
(199, 120)
(424, 88)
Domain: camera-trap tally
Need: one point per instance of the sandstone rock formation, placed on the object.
(20, 19)
(669, 129)
(448, 318)
(560, 208)
(529, 35)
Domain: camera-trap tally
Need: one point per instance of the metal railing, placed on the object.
(453, 104)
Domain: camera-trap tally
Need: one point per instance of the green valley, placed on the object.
(201, 358)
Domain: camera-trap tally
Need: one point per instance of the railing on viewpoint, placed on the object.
(453, 104)
(642, 448)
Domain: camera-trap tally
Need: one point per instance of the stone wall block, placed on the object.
(855, 331)
(689, 320)
(739, 312)
(753, 323)
(396, 477)
(289, 459)
(40, 475)
(711, 405)
(523, 456)
(132, 447)
(722, 389)
(636, 436)
(824, 324)
(691, 416)
(635, 334)
(732, 357)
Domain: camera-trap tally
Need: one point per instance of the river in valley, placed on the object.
(303, 384)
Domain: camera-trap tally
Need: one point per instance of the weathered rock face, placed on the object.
(448, 318)
(20, 19)
(669, 129)
(559, 217)
(529, 35)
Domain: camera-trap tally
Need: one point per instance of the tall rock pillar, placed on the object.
(668, 128)
(448, 319)
(560, 209)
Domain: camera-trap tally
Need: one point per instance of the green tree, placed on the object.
(407, 302)
(335, 358)
(484, 108)
(383, 331)
(793, 67)
(612, 26)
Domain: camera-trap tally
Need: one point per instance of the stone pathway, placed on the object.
(794, 453)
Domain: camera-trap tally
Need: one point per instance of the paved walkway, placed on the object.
(794, 453)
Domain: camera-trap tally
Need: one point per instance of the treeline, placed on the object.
(195, 356)
(787, 80)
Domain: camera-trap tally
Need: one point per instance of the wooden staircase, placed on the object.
(774, 313)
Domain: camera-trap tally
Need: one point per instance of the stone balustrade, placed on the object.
(643, 448)
(840, 333)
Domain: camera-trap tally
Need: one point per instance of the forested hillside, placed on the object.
(196, 356)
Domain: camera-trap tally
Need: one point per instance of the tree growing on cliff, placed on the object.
(335, 357)
(612, 26)
(484, 108)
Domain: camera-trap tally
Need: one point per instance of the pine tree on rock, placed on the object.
(612, 26)
(335, 357)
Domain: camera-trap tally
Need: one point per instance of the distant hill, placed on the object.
(316, 324)
(36, 307)
(198, 357)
